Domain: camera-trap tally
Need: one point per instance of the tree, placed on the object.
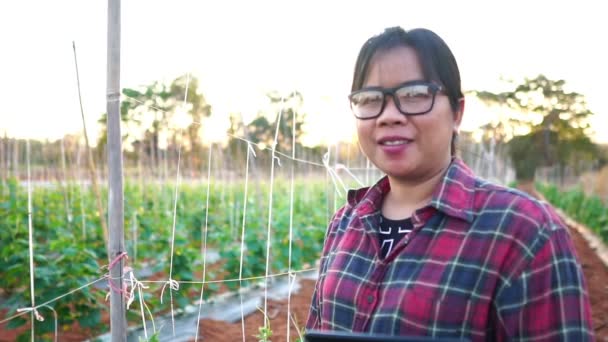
(198, 109)
(147, 114)
(262, 131)
(556, 123)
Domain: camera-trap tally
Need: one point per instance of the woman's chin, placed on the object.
(400, 172)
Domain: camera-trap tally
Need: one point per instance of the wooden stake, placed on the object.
(118, 324)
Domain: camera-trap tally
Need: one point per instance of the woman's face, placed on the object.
(406, 148)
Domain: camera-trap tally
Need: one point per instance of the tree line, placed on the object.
(539, 124)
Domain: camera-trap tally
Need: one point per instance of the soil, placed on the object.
(212, 330)
(596, 274)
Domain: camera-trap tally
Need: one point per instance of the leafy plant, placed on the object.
(70, 253)
(588, 210)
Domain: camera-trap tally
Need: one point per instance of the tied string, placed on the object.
(135, 285)
(138, 286)
(123, 289)
(173, 285)
(130, 284)
(38, 316)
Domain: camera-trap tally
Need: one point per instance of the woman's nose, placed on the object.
(391, 114)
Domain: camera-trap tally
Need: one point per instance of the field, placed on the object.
(219, 238)
(69, 247)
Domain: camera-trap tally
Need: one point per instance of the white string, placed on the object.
(35, 313)
(134, 236)
(291, 280)
(276, 152)
(270, 194)
(335, 178)
(250, 151)
(173, 285)
(56, 321)
(339, 167)
(295, 324)
(204, 246)
(291, 193)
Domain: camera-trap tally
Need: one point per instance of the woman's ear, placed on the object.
(458, 115)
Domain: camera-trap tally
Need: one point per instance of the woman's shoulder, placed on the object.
(518, 205)
(463, 194)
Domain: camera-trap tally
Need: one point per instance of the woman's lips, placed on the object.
(394, 146)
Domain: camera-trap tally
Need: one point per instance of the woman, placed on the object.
(431, 249)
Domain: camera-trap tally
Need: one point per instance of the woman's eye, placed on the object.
(414, 92)
(366, 99)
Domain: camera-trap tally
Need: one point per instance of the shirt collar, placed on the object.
(454, 195)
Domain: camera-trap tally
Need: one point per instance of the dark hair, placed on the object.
(436, 58)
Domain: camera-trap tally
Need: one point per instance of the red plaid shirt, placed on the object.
(483, 262)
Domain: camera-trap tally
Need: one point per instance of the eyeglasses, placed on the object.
(411, 98)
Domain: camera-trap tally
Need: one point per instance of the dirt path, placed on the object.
(596, 274)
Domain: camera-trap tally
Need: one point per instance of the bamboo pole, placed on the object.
(91, 163)
(118, 324)
(65, 184)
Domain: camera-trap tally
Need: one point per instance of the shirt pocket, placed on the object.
(425, 311)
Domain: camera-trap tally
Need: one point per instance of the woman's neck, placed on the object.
(405, 197)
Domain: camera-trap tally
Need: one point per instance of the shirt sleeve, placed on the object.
(548, 300)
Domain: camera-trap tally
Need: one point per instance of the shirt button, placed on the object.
(370, 299)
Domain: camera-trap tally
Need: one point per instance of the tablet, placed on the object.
(344, 336)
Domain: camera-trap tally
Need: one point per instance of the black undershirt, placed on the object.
(391, 232)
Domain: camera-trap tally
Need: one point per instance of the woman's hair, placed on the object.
(436, 58)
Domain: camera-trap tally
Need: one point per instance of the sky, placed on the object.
(241, 49)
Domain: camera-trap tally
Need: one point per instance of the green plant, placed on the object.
(588, 210)
(264, 332)
(70, 253)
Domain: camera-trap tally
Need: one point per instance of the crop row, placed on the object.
(589, 210)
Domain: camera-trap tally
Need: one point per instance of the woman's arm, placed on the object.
(548, 300)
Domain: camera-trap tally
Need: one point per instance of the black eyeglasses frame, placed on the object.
(434, 88)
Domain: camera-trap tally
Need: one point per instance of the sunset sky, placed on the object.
(240, 49)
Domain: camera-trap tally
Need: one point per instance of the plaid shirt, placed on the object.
(483, 262)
